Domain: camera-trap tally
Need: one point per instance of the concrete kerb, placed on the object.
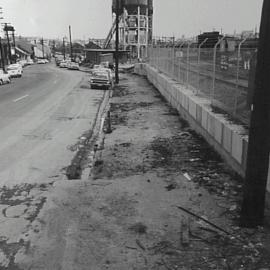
(99, 136)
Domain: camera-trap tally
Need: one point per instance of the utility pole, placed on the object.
(64, 49)
(117, 43)
(252, 213)
(9, 48)
(42, 43)
(53, 48)
(70, 41)
(2, 55)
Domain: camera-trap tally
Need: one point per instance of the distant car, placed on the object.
(105, 64)
(58, 61)
(29, 62)
(23, 63)
(100, 79)
(42, 61)
(63, 64)
(73, 65)
(97, 66)
(15, 70)
(4, 77)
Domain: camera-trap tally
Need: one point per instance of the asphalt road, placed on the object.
(42, 115)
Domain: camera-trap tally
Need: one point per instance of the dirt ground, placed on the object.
(158, 197)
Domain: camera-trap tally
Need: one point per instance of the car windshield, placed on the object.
(101, 75)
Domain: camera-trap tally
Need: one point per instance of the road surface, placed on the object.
(42, 114)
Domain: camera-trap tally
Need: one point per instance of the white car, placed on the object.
(63, 64)
(23, 63)
(15, 70)
(41, 61)
(74, 66)
(4, 77)
(97, 66)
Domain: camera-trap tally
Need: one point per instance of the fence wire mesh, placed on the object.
(224, 75)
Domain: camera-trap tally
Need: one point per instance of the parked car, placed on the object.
(105, 64)
(111, 73)
(42, 61)
(63, 64)
(30, 62)
(4, 77)
(100, 79)
(73, 65)
(23, 63)
(58, 60)
(97, 66)
(15, 70)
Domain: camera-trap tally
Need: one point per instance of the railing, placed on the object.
(223, 75)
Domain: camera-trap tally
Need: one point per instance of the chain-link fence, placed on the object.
(224, 74)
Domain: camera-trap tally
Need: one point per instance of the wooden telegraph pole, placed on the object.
(64, 48)
(70, 43)
(2, 55)
(42, 43)
(117, 43)
(6, 29)
(252, 213)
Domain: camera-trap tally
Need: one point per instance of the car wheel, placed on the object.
(1, 82)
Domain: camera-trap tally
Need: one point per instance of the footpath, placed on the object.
(158, 197)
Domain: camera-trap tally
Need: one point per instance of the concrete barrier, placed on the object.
(229, 140)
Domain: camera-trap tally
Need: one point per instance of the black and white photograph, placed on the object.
(134, 135)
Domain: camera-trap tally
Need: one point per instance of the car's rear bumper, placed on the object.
(100, 85)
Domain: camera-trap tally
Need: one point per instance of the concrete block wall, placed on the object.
(226, 138)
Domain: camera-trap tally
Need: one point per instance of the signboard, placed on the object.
(9, 28)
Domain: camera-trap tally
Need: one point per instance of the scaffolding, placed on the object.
(135, 26)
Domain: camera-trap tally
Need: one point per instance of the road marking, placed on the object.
(20, 98)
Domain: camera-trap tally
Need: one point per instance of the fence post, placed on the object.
(168, 62)
(153, 54)
(188, 47)
(179, 70)
(199, 63)
(173, 61)
(214, 69)
(158, 58)
(237, 76)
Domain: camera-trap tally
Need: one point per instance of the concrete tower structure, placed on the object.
(135, 25)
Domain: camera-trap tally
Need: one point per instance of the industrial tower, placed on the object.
(135, 26)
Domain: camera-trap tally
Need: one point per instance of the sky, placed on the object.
(93, 18)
